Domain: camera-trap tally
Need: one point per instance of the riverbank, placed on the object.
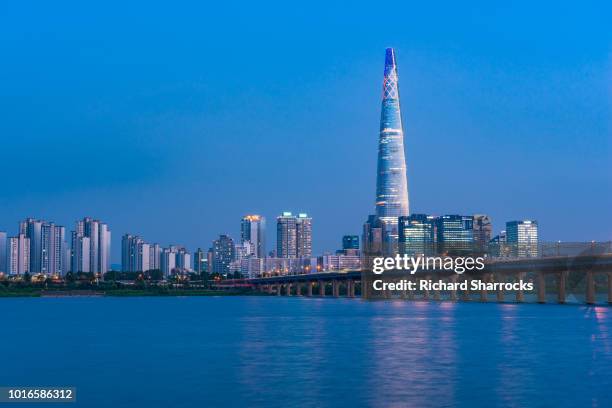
(118, 292)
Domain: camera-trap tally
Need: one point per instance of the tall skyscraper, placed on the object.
(522, 238)
(391, 182)
(286, 235)
(417, 235)
(253, 229)
(303, 236)
(18, 255)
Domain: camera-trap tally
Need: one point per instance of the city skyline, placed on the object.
(178, 155)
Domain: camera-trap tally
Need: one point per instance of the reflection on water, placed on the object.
(277, 351)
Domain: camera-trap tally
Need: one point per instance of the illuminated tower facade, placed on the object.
(391, 182)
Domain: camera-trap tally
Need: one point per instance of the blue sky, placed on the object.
(172, 120)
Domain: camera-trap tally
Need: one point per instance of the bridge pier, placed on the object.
(483, 292)
(321, 288)
(500, 292)
(335, 288)
(453, 293)
(426, 291)
(609, 287)
(541, 287)
(465, 296)
(520, 296)
(278, 289)
(350, 288)
(590, 288)
(309, 289)
(298, 289)
(561, 278)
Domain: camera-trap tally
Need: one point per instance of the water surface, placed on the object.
(278, 351)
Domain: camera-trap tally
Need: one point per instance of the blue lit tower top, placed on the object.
(391, 183)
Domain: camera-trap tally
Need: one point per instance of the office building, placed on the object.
(350, 242)
(455, 234)
(417, 235)
(522, 238)
(200, 263)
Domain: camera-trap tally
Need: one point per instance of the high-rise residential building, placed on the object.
(183, 260)
(391, 182)
(417, 235)
(522, 238)
(293, 235)
(222, 253)
(350, 242)
(53, 249)
(455, 234)
(303, 236)
(253, 230)
(286, 235)
(80, 253)
(32, 229)
(100, 242)
(18, 255)
(168, 260)
(483, 231)
(47, 246)
(155, 257)
(135, 254)
(3, 246)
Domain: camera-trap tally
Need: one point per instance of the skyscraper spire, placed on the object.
(391, 183)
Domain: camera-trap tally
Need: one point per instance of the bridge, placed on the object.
(587, 275)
